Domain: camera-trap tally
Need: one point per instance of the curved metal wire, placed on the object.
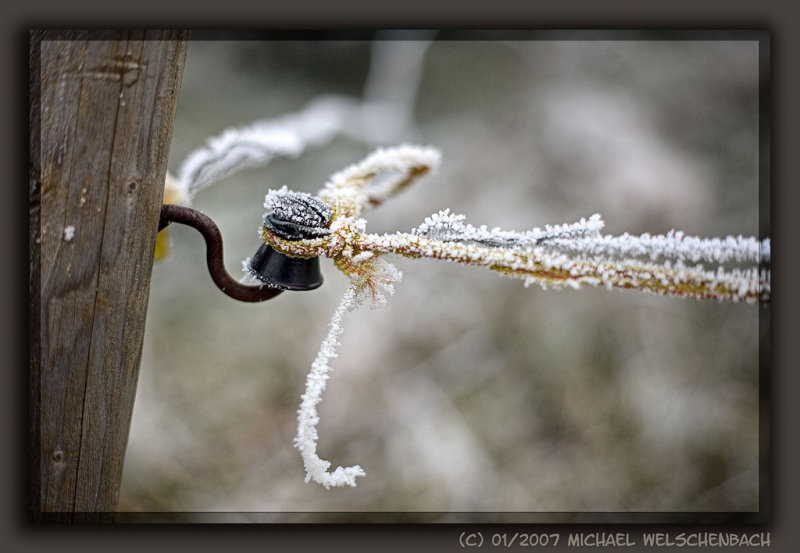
(171, 213)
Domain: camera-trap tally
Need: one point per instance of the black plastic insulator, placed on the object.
(284, 272)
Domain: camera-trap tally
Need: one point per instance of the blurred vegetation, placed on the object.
(468, 392)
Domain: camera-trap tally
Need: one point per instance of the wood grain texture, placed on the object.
(105, 110)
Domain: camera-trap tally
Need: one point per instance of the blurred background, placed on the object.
(467, 393)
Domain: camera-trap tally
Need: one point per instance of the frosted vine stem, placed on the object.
(556, 256)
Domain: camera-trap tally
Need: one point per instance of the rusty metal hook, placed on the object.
(171, 213)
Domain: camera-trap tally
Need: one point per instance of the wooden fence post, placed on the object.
(102, 109)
